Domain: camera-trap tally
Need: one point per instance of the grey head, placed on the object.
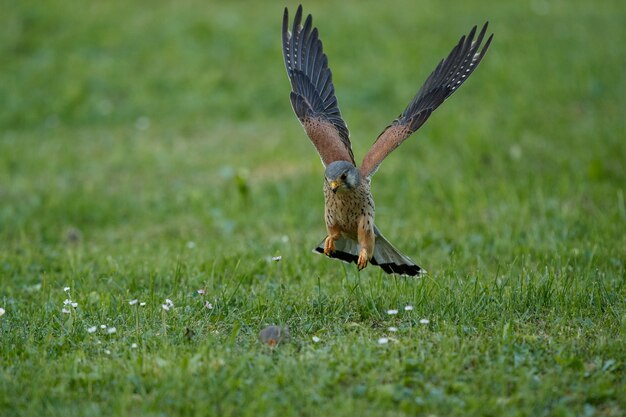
(342, 176)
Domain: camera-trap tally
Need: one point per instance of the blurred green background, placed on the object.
(123, 104)
(148, 148)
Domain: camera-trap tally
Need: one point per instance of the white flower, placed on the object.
(201, 291)
(111, 330)
(103, 326)
(66, 289)
(424, 321)
(392, 329)
(134, 346)
(208, 305)
(391, 312)
(65, 310)
(316, 339)
(92, 329)
(2, 311)
(408, 308)
(142, 303)
(383, 341)
(107, 351)
(168, 304)
(133, 302)
(276, 258)
(70, 302)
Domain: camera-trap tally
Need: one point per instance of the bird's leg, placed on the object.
(366, 241)
(329, 244)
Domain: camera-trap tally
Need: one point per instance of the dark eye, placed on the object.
(343, 176)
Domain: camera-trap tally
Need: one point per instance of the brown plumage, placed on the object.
(349, 206)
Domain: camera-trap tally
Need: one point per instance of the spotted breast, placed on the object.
(345, 207)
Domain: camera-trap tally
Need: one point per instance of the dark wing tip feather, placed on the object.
(470, 37)
(481, 35)
(297, 19)
(486, 46)
(285, 20)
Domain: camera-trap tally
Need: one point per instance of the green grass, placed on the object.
(148, 149)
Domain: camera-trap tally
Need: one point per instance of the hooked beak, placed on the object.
(333, 186)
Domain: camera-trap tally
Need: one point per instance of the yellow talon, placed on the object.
(329, 246)
(362, 262)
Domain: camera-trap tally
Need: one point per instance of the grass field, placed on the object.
(148, 150)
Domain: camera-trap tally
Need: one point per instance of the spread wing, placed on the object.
(440, 84)
(313, 95)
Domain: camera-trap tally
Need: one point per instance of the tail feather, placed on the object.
(346, 249)
(387, 257)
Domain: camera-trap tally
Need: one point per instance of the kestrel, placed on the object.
(349, 206)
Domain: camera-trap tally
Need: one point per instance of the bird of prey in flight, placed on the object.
(349, 206)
